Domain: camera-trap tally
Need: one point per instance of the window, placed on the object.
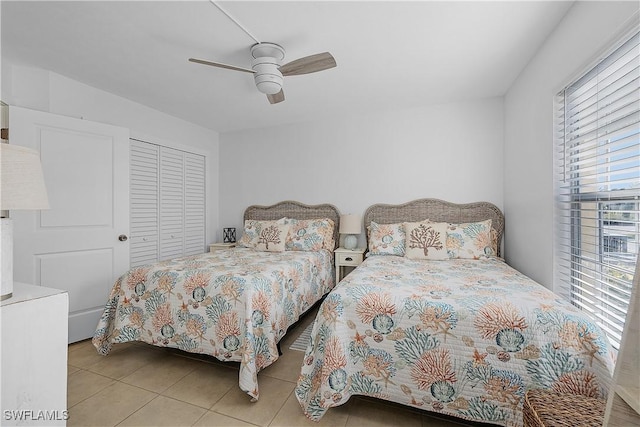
(598, 187)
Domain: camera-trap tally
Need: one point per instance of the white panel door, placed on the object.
(75, 245)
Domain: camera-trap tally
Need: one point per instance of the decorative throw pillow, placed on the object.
(310, 234)
(426, 240)
(386, 239)
(252, 230)
(471, 240)
(272, 237)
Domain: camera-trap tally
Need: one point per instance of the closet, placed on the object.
(167, 203)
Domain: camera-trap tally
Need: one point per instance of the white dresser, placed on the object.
(33, 356)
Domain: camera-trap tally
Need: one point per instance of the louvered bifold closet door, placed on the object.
(144, 203)
(194, 207)
(167, 203)
(171, 203)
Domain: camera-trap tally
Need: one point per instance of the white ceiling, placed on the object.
(390, 54)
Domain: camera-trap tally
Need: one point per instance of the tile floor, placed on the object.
(141, 385)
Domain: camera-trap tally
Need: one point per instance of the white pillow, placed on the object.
(272, 237)
(426, 240)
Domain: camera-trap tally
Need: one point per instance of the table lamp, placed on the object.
(21, 187)
(350, 225)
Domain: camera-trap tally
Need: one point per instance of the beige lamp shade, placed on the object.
(350, 224)
(21, 180)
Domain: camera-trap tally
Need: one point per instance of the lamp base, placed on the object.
(350, 242)
(6, 258)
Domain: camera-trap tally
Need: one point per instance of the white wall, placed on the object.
(452, 152)
(42, 90)
(587, 29)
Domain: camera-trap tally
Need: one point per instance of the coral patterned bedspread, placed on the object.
(459, 337)
(234, 305)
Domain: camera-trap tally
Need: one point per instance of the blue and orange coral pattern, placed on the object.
(234, 305)
(310, 234)
(387, 239)
(471, 240)
(461, 337)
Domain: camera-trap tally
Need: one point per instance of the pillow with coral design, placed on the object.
(426, 240)
(272, 237)
(386, 239)
(310, 234)
(252, 230)
(472, 240)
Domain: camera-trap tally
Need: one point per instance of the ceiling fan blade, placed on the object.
(221, 65)
(308, 64)
(275, 98)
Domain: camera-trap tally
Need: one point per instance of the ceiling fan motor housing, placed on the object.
(267, 58)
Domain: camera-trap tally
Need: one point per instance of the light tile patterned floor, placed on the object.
(141, 385)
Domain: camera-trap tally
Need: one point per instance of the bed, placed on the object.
(236, 304)
(461, 334)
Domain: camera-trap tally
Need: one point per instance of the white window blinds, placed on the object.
(598, 187)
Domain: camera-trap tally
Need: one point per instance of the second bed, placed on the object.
(459, 333)
(236, 304)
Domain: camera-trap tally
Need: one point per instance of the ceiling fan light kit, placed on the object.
(267, 58)
(267, 77)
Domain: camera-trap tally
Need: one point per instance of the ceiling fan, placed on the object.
(267, 68)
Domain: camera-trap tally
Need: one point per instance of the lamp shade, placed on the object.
(21, 180)
(350, 224)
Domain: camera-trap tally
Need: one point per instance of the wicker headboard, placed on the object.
(437, 211)
(297, 210)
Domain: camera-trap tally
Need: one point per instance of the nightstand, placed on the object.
(221, 246)
(347, 258)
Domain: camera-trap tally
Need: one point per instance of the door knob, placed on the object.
(122, 237)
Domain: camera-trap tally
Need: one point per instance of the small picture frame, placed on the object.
(229, 235)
